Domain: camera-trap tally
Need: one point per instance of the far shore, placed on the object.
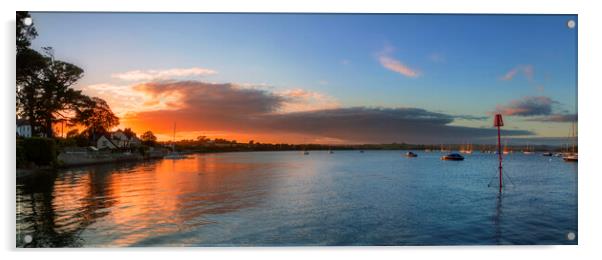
(67, 160)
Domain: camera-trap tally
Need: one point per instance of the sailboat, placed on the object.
(528, 150)
(468, 149)
(305, 151)
(173, 154)
(506, 150)
(571, 156)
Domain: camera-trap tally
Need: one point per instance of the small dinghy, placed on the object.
(547, 154)
(570, 158)
(411, 154)
(453, 157)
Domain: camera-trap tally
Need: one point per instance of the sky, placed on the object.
(326, 78)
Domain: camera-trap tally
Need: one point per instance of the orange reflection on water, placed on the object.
(129, 204)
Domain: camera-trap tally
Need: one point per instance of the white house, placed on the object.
(121, 140)
(23, 128)
(104, 142)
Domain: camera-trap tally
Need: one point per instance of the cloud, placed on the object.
(121, 98)
(304, 100)
(472, 118)
(528, 106)
(558, 118)
(148, 75)
(392, 64)
(253, 112)
(525, 70)
(226, 99)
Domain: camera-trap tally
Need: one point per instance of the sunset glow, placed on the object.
(333, 79)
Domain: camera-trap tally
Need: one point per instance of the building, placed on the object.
(23, 128)
(104, 142)
(121, 140)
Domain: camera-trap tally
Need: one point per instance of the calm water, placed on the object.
(286, 198)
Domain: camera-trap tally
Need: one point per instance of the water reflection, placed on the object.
(497, 219)
(122, 205)
(281, 198)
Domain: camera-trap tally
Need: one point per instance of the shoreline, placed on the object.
(69, 160)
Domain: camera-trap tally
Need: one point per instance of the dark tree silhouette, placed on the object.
(148, 138)
(25, 32)
(202, 139)
(96, 116)
(44, 85)
(29, 67)
(129, 134)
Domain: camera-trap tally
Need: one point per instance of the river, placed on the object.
(291, 199)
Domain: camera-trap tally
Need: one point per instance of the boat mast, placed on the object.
(173, 142)
(574, 137)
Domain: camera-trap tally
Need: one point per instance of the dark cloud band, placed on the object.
(226, 107)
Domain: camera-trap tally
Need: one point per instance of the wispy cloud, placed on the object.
(525, 70)
(148, 75)
(386, 60)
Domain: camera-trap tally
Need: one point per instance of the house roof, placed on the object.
(108, 139)
(21, 122)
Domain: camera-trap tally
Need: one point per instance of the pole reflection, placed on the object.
(497, 219)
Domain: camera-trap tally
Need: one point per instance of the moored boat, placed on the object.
(570, 158)
(173, 154)
(453, 157)
(411, 154)
(529, 150)
(547, 154)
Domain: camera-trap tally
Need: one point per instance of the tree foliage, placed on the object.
(96, 116)
(148, 138)
(25, 32)
(45, 92)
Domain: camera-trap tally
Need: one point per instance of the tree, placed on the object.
(202, 139)
(29, 67)
(44, 85)
(148, 138)
(72, 133)
(97, 117)
(47, 95)
(25, 32)
(129, 134)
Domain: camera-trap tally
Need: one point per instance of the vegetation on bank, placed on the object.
(36, 151)
(205, 145)
(46, 98)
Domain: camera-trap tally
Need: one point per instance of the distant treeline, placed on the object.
(222, 145)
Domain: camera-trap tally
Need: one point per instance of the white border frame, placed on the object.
(589, 85)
